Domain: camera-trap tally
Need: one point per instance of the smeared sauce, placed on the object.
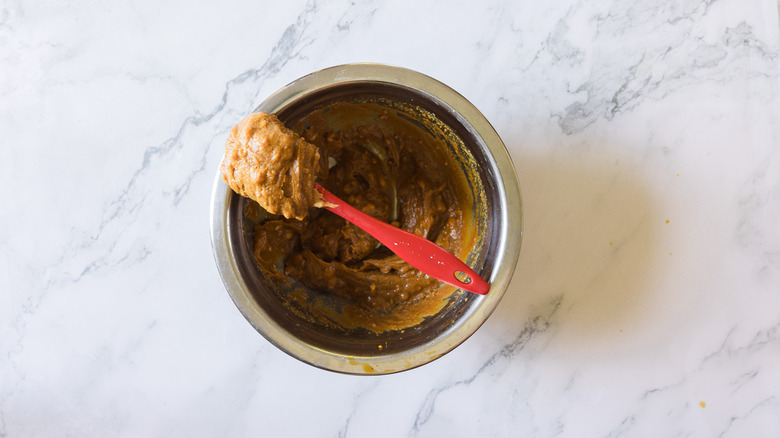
(390, 169)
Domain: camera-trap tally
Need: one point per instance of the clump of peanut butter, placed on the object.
(269, 163)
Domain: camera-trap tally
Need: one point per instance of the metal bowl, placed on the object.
(497, 212)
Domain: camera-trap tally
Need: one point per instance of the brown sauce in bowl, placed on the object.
(386, 165)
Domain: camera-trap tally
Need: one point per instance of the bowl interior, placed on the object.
(474, 160)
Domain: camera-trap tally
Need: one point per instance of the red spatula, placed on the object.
(415, 250)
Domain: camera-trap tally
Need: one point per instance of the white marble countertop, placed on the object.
(646, 300)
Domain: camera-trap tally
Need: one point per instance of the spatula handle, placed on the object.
(418, 251)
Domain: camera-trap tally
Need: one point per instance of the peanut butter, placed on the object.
(388, 169)
(273, 166)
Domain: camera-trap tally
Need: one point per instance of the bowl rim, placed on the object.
(509, 240)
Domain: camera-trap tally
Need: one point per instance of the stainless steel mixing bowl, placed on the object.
(498, 212)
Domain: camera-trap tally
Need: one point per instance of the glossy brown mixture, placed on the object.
(272, 165)
(393, 173)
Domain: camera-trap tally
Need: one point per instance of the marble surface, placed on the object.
(646, 300)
